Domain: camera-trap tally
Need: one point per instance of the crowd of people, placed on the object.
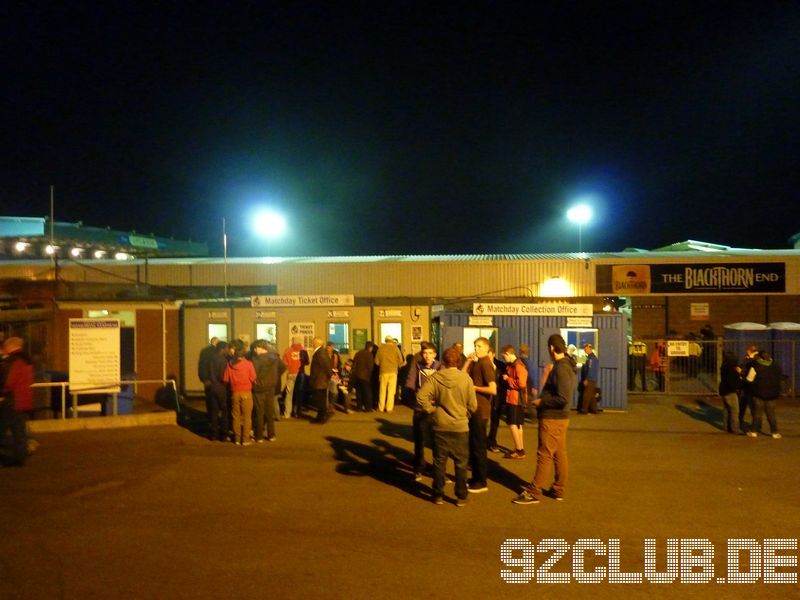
(458, 402)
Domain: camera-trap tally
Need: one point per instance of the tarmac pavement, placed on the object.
(332, 511)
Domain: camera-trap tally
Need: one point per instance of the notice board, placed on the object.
(94, 355)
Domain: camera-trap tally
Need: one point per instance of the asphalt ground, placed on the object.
(332, 511)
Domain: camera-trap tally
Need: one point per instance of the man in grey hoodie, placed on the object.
(449, 396)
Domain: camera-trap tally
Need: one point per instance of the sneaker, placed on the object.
(526, 498)
(247, 443)
(776, 436)
(460, 502)
(516, 454)
(477, 488)
(752, 434)
(260, 441)
(552, 494)
(272, 439)
(495, 449)
(438, 500)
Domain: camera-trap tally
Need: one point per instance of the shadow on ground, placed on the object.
(381, 460)
(704, 412)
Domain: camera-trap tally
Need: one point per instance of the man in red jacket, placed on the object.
(16, 398)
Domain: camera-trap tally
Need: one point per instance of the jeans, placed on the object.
(730, 404)
(589, 397)
(477, 448)
(287, 400)
(242, 410)
(745, 403)
(552, 452)
(760, 406)
(388, 390)
(263, 410)
(421, 423)
(217, 409)
(364, 395)
(10, 419)
(455, 445)
(494, 422)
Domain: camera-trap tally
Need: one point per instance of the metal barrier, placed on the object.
(652, 371)
(101, 388)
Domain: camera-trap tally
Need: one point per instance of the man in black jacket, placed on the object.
(269, 368)
(765, 384)
(552, 406)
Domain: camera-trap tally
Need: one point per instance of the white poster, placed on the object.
(94, 355)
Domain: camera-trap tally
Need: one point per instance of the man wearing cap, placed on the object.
(589, 372)
(389, 359)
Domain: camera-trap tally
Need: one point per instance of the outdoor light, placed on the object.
(122, 256)
(50, 249)
(555, 287)
(580, 214)
(21, 246)
(99, 253)
(76, 252)
(269, 224)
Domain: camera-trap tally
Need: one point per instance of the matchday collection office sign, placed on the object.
(709, 278)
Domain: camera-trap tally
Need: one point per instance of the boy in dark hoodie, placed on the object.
(449, 396)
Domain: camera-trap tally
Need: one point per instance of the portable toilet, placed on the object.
(786, 349)
(737, 337)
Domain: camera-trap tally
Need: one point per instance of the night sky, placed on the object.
(403, 127)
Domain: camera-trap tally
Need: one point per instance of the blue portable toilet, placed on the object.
(786, 348)
(737, 337)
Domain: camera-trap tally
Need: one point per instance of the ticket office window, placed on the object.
(268, 332)
(473, 333)
(217, 330)
(394, 329)
(339, 335)
(577, 338)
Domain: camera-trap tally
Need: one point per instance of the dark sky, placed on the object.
(402, 127)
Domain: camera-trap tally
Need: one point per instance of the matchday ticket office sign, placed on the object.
(94, 356)
(304, 300)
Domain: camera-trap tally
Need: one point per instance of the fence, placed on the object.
(652, 370)
(169, 384)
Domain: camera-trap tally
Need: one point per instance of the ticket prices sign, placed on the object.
(94, 355)
(305, 331)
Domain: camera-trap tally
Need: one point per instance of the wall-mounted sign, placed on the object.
(218, 314)
(533, 310)
(706, 278)
(677, 348)
(390, 312)
(265, 314)
(437, 308)
(307, 300)
(338, 314)
(94, 355)
(480, 321)
(304, 331)
(579, 321)
(699, 311)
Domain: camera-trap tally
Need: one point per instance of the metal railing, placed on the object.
(102, 389)
(698, 373)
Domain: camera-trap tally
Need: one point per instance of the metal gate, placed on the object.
(652, 370)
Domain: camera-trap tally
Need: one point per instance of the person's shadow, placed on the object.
(382, 461)
(704, 412)
(396, 430)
